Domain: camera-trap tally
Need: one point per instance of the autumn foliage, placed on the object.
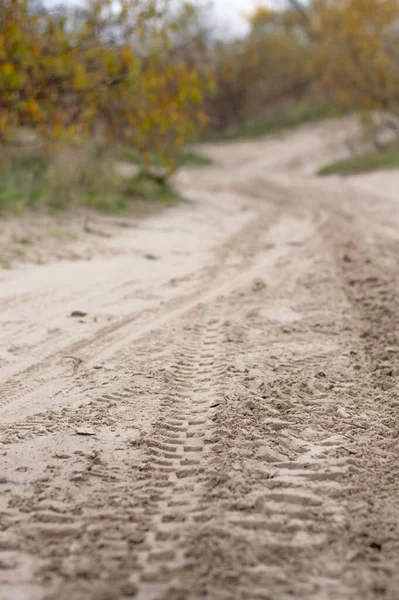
(262, 72)
(150, 74)
(110, 71)
(344, 53)
(356, 53)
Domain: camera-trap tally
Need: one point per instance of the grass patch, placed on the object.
(192, 159)
(74, 177)
(185, 158)
(287, 118)
(149, 186)
(25, 241)
(371, 161)
(20, 181)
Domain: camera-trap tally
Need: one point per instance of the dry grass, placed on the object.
(370, 161)
(74, 177)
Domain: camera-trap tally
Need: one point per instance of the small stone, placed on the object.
(128, 589)
(150, 256)
(85, 431)
(387, 385)
(250, 404)
(78, 313)
(258, 285)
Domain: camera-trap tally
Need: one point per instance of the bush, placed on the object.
(74, 177)
(109, 71)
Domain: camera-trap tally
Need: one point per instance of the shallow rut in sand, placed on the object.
(235, 437)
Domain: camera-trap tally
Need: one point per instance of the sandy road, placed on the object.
(222, 423)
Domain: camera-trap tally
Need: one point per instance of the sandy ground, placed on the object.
(203, 403)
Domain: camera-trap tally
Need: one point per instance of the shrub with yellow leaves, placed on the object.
(356, 52)
(108, 70)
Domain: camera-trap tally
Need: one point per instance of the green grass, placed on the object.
(281, 120)
(149, 186)
(20, 181)
(371, 161)
(74, 177)
(25, 241)
(192, 159)
(185, 158)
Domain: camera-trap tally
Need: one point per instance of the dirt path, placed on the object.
(220, 421)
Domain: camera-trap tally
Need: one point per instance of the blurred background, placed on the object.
(86, 87)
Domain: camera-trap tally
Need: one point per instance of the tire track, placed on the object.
(177, 451)
(242, 245)
(173, 458)
(55, 374)
(162, 493)
(26, 376)
(276, 489)
(74, 386)
(366, 265)
(243, 445)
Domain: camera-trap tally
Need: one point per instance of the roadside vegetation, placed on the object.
(84, 176)
(278, 121)
(85, 88)
(78, 84)
(370, 161)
